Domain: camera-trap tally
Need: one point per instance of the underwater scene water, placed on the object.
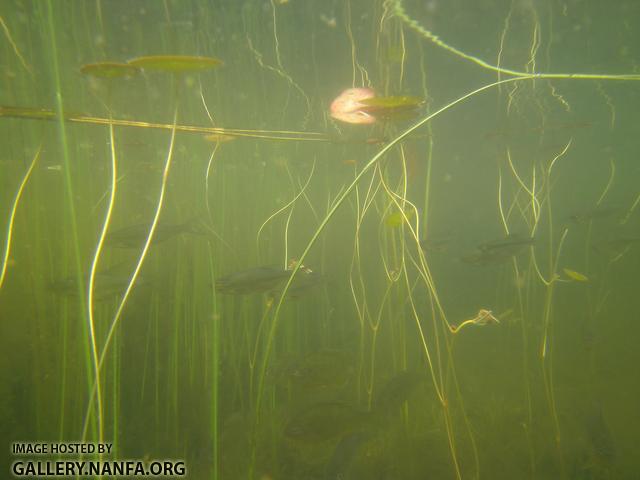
(320, 240)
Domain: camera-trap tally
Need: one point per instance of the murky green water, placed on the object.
(203, 264)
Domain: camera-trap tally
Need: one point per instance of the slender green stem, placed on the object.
(12, 215)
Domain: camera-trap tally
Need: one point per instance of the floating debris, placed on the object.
(175, 63)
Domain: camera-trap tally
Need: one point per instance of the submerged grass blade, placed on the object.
(331, 213)
(7, 248)
(134, 276)
(92, 276)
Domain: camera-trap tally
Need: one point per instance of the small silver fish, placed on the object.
(598, 213)
(254, 280)
(498, 251)
(106, 285)
(134, 236)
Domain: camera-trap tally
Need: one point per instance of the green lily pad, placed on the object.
(392, 102)
(109, 70)
(175, 63)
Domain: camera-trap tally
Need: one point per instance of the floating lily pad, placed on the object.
(394, 108)
(175, 63)
(392, 102)
(109, 70)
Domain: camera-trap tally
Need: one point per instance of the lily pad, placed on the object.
(394, 108)
(393, 102)
(109, 70)
(175, 63)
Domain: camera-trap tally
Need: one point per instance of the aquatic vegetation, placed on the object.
(394, 220)
(220, 137)
(304, 283)
(16, 201)
(392, 108)
(484, 317)
(175, 63)
(373, 372)
(109, 70)
(362, 106)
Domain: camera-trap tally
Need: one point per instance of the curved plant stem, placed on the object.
(14, 208)
(134, 276)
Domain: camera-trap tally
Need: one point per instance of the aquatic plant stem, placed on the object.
(15, 48)
(399, 11)
(134, 276)
(339, 201)
(283, 208)
(12, 215)
(523, 330)
(59, 116)
(215, 367)
(91, 285)
(206, 181)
